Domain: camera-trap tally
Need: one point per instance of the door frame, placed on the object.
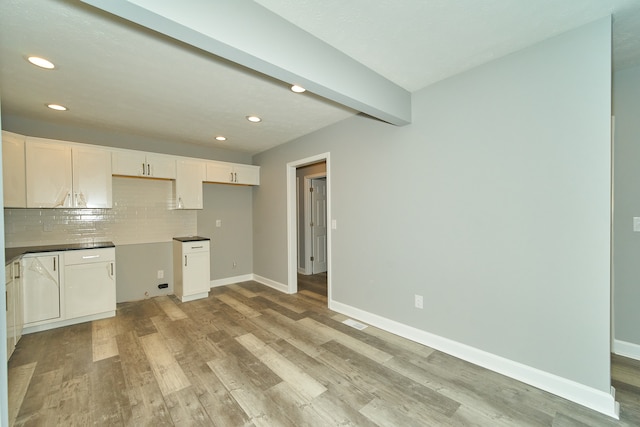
(292, 223)
(308, 244)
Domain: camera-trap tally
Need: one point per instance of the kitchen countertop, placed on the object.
(190, 239)
(11, 254)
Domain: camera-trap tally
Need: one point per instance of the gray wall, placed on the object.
(233, 241)
(137, 270)
(4, 399)
(300, 174)
(494, 204)
(626, 108)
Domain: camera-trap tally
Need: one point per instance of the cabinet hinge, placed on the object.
(311, 189)
(312, 258)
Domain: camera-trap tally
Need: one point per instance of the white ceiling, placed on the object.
(115, 75)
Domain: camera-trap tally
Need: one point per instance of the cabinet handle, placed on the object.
(185, 260)
(17, 264)
(148, 169)
(196, 247)
(54, 263)
(111, 269)
(230, 176)
(90, 256)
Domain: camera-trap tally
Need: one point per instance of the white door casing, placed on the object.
(292, 232)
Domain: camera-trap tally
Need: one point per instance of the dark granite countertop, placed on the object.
(190, 238)
(11, 254)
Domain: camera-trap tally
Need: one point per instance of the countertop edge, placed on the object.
(12, 254)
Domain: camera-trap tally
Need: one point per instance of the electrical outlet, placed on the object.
(160, 274)
(418, 301)
(235, 264)
(218, 223)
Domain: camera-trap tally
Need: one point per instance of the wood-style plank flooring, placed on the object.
(251, 356)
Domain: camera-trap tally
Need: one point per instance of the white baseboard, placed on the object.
(231, 280)
(271, 283)
(597, 400)
(68, 322)
(626, 349)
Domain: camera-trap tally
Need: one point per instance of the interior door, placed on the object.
(319, 224)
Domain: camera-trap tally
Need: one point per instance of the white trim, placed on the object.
(597, 400)
(292, 232)
(271, 283)
(626, 349)
(302, 271)
(61, 323)
(230, 280)
(193, 297)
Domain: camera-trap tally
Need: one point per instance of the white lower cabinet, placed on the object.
(89, 282)
(15, 316)
(191, 269)
(68, 287)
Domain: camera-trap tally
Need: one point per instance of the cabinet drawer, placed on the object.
(87, 256)
(193, 247)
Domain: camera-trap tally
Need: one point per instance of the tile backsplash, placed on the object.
(142, 213)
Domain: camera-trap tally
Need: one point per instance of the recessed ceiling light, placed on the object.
(254, 119)
(221, 138)
(41, 62)
(297, 89)
(57, 107)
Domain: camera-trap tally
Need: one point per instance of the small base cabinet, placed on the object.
(191, 268)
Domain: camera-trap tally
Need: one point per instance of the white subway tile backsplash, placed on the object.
(142, 213)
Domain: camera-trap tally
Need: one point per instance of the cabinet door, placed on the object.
(89, 289)
(10, 299)
(41, 288)
(18, 299)
(91, 178)
(128, 163)
(189, 177)
(161, 166)
(246, 174)
(196, 273)
(13, 170)
(49, 174)
(219, 172)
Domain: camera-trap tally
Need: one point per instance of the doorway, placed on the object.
(294, 232)
(312, 219)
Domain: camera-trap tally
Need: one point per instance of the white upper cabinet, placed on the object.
(60, 175)
(188, 186)
(13, 170)
(91, 178)
(233, 173)
(146, 165)
(49, 174)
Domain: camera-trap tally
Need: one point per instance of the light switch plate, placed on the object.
(218, 223)
(636, 223)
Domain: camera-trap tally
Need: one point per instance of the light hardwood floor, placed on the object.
(251, 356)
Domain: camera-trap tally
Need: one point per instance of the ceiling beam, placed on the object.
(247, 33)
